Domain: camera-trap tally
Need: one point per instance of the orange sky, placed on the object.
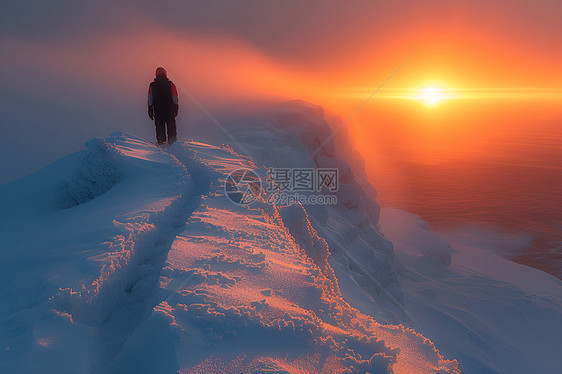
(335, 55)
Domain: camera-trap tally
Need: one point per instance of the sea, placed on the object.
(516, 190)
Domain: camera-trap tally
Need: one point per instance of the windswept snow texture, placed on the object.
(158, 272)
(129, 258)
(490, 314)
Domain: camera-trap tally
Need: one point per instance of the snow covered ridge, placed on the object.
(162, 273)
(151, 268)
(297, 134)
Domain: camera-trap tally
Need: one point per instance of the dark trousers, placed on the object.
(161, 122)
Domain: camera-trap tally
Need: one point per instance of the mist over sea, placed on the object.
(512, 196)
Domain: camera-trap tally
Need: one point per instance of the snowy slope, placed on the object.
(493, 315)
(127, 258)
(297, 134)
(126, 194)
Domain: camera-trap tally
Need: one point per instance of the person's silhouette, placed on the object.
(163, 106)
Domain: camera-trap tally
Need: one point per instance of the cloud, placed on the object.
(298, 31)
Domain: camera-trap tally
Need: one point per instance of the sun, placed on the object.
(431, 95)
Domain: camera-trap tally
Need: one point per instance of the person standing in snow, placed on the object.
(163, 106)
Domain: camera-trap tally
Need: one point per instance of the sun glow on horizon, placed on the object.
(431, 95)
